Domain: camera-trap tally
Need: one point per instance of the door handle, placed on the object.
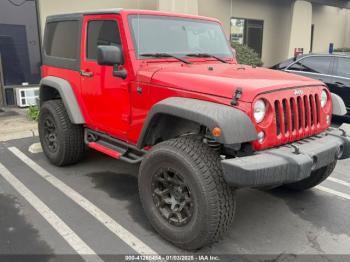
(339, 84)
(86, 74)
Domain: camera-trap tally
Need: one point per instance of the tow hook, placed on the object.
(343, 132)
(236, 96)
(296, 149)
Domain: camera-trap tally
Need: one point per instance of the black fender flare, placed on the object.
(66, 94)
(236, 127)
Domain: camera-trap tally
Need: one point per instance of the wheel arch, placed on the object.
(57, 88)
(186, 114)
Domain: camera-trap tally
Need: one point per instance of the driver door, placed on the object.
(105, 97)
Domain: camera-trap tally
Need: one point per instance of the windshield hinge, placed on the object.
(236, 96)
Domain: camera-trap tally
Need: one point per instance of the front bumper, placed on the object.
(289, 163)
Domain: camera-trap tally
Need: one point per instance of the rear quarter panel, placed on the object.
(73, 77)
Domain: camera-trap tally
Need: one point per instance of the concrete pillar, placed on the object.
(183, 6)
(347, 32)
(300, 33)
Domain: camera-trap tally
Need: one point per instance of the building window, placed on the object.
(248, 32)
(101, 32)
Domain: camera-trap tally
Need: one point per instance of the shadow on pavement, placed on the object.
(122, 187)
(321, 210)
(17, 236)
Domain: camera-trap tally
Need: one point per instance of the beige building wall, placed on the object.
(182, 6)
(276, 16)
(287, 23)
(347, 33)
(331, 26)
(51, 7)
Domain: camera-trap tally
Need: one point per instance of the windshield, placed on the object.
(178, 36)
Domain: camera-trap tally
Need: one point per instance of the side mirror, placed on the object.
(109, 55)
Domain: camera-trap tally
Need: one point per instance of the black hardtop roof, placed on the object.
(78, 15)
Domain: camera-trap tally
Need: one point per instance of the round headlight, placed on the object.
(324, 98)
(259, 110)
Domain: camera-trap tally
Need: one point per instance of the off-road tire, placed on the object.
(316, 178)
(70, 137)
(214, 201)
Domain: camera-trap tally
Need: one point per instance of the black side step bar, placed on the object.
(113, 147)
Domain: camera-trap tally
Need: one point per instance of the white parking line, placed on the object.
(333, 192)
(62, 228)
(341, 182)
(96, 212)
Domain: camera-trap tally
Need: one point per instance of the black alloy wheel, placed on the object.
(172, 197)
(50, 134)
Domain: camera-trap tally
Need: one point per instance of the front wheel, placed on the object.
(316, 178)
(184, 194)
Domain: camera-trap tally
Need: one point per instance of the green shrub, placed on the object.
(246, 55)
(33, 113)
(342, 50)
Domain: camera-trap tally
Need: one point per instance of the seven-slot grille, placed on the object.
(300, 113)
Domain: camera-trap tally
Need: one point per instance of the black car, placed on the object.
(332, 69)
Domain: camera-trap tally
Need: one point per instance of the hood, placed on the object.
(222, 79)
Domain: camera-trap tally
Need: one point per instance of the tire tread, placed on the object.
(73, 135)
(221, 197)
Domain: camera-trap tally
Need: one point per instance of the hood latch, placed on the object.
(236, 96)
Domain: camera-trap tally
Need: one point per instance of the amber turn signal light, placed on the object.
(216, 132)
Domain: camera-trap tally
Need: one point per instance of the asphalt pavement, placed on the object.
(91, 212)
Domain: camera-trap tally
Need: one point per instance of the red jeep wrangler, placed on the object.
(164, 90)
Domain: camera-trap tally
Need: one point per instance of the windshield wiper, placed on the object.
(205, 55)
(160, 55)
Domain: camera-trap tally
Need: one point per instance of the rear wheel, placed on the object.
(316, 178)
(184, 194)
(62, 141)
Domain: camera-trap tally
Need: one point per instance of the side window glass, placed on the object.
(314, 64)
(343, 68)
(101, 32)
(61, 39)
(297, 67)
